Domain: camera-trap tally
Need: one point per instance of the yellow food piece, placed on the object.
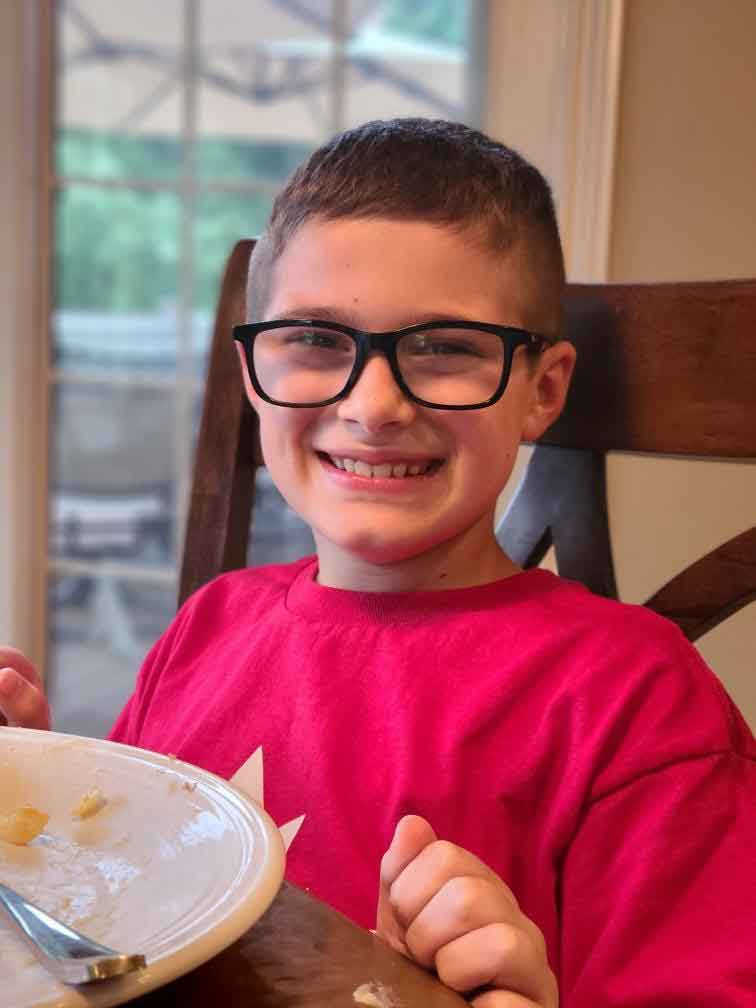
(89, 804)
(22, 825)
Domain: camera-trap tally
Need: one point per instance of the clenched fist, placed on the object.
(448, 911)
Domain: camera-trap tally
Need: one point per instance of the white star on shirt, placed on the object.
(249, 778)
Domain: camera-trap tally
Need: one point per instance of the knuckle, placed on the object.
(27, 708)
(534, 936)
(464, 896)
(420, 946)
(398, 901)
(540, 943)
(443, 853)
(511, 941)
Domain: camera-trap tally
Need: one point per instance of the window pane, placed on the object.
(220, 220)
(119, 89)
(407, 59)
(112, 474)
(159, 176)
(100, 628)
(116, 279)
(264, 91)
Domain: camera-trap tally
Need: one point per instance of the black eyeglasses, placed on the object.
(451, 365)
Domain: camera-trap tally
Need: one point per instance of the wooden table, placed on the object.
(302, 953)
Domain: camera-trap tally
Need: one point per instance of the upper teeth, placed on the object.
(382, 471)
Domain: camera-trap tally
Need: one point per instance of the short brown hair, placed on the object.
(415, 169)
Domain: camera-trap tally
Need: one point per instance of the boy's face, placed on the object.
(383, 275)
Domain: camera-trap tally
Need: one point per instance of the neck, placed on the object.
(474, 558)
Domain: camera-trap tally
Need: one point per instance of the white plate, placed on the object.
(177, 865)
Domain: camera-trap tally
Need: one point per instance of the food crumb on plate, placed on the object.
(89, 804)
(374, 995)
(22, 825)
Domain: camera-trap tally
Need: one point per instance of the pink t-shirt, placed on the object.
(578, 746)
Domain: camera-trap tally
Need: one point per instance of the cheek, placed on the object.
(488, 453)
(283, 436)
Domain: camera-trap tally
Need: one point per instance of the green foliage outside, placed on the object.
(443, 21)
(118, 249)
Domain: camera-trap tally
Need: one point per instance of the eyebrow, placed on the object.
(324, 313)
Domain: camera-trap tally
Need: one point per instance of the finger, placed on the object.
(428, 873)
(502, 999)
(464, 903)
(21, 703)
(13, 658)
(411, 836)
(500, 956)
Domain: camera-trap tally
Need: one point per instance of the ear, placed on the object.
(549, 388)
(252, 396)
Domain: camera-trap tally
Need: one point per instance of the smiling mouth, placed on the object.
(385, 470)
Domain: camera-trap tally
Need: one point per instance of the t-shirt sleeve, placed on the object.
(659, 890)
(128, 725)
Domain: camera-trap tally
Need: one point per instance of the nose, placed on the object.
(376, 401)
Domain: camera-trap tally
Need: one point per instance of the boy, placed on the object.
(592, 782)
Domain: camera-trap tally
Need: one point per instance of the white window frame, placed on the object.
(551, 81)
(25, 114)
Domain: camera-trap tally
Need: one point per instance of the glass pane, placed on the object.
(119, 89)
(112, 474)
(116, 279)
(278, 534)
(100, 629)
(407, 59)
(264, 90)
(220, 220)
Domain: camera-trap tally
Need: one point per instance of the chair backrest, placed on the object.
(665, 369)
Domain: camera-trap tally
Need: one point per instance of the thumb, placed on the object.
(412, 835)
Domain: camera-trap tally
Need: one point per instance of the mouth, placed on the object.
(383, 470)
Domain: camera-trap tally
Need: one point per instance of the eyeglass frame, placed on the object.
(385, 343)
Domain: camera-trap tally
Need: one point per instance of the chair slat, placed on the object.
(227, 453)
(711, 589)
(667, 368)
(562, 501)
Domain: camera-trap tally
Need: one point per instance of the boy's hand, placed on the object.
(447, 910)
(23, 703)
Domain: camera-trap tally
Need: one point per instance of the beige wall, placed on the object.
(685, 182)
(685, 208)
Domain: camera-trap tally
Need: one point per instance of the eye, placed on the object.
(318, 339)
(445, 344)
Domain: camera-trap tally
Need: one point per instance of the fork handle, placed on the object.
(67, 954)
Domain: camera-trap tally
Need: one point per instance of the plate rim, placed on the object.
(226, 931)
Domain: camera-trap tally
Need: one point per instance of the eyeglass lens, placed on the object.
(445, 366)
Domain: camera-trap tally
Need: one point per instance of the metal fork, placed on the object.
(67, 954)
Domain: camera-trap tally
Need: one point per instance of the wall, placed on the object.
(684, 208)
(684, 193)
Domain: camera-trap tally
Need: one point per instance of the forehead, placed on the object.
(379, 273)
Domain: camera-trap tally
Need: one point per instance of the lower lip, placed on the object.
(377, 484)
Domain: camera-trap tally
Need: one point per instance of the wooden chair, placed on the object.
(666, 369)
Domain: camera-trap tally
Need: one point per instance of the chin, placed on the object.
(370, 546)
